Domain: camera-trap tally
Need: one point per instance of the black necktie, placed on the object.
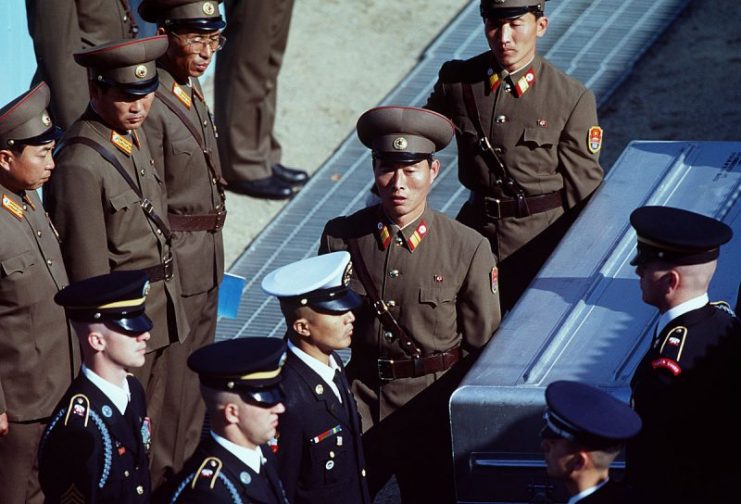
(342, 387)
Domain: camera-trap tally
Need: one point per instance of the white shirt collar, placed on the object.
(589, 491)
(119, 395)
(681, 309)
(251, 457)
(325, 372)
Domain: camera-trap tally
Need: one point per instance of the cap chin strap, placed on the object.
(551, 419)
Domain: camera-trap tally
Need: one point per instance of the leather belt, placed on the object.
(203, 222)
(501, 208)
(392, 369)
(160, 272)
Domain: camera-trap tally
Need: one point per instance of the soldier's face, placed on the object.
(258, 423)
(513, 40)
(123, 350)
(119, 109)
(560, 456)
(403, 188)
(190, 53)
(328, 331)
(655, 281)
(27, 169)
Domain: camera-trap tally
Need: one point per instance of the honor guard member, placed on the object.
(246, 89)
(108, 202)
(684, 388)
(182, 140)
(95, 446)
(240, 382)
(320, 453)
(429, 285)
(585, 430)
(60, 29)
(37, 353)
(528, 141)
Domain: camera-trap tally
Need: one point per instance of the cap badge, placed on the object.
(145, 290)
(45, 119)
(347, 275)
(141, 71)
(208, 8)
(400, 143)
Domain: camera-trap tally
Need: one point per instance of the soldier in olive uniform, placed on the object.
(38, 356)
(528, 141)
(240, 382)
(433, 284)
(182, 140)
(108, 201)
(320, 453)
(96, 444)
(60, 29)
(685, 386)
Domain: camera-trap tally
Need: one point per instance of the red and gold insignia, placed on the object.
(384, 236)
(524, 82)
(12, 207)
(494, 276)
(122, 143)
(594, 139)
(417, 236)
(438, 278)
(494, 80)
(663, 363)
(181, 95)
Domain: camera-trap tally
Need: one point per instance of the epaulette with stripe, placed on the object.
(723, 306)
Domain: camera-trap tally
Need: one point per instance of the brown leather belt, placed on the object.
(203, 222)
(391, 369)
(502, 208)
(161, 271)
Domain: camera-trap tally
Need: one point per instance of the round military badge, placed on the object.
(208, 8)
(107, 411)
(245, 477)
(45, 119)
(319, 389)
(400, 143)
(141, 71)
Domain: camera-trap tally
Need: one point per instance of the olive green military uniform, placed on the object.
(195, 203)
(438, 279)
(38, 355)
(246, 86)
(61, 28)
(543, 126)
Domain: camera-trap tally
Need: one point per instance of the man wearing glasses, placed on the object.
(183, 143)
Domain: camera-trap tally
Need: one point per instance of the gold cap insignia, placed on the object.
(45, 119)
(400, 143)
(141, 71)
(208, 8)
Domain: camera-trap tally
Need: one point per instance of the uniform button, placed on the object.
(38, 233)
(507, 88)
(501, 119)
(388, 335)
(398, 240)
(126, 474)
(331, 454)
(49, 261)
(142, 172)
(205, 123)
(390, 303)
(159, 231)
(126, 18)
(362, 473)
(213, 181)
(394, 273)
(151, 162)
(140, 490)
(25, 207)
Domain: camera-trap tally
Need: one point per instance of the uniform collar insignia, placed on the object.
(122, 143)
(197, 92)
(417, 235)
(525, 82)
(11, 206)
(383, 235)
(182, 95)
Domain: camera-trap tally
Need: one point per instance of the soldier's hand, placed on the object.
(4, 425)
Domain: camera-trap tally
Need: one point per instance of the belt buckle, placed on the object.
(386, 369)
(495, 202)
(167, 266)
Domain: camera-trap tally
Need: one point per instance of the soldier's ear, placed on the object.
(96, 341)
(6, 159)
(301, 327)
(231, 413)
(541, 25)
(435, 167)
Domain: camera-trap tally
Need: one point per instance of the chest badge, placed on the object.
(594, 139)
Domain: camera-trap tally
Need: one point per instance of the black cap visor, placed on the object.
(130, 325)
(341, 304)
(135, 89)
(267, 397)
(646, 254)
(401, 157)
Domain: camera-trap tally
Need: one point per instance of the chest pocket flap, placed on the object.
(540, 136)
(124, 200)
(437, 295)
(17, 264)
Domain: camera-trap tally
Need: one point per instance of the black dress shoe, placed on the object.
(267, 188)
(290, 175)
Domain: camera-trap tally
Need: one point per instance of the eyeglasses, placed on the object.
(195, 45)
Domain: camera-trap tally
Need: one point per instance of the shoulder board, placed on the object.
(78, 410)
(673, 344)
(208, 472)
(723, 306)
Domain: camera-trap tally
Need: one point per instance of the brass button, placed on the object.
(507, 87)
(151, 162)
(159, 231)
(38, 233)
(25, 207)
(213, 181)
(398, 240)
(331, 454)
(205, 123)
(126, 18)
(140, 490)
(362, 473)
(388, 335)
(126, 474)
(142, 172)
(501, 119)
(394, 273)
(49, 261)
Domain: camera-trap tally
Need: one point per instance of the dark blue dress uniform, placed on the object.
(595, 420)
(686, 386)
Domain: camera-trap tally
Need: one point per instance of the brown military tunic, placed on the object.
(193, 189)
(61, 28)
(543, 125)
(38, 354)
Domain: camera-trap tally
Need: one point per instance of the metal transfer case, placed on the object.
(582, 318)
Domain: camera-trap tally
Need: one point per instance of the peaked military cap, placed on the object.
(320, 282)
(404, 134)
(25, 120)
(677, 236)
(198, 14)
(116, 298)
(507, 9)
(129, 65)
(248, 366)
(587, 415)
